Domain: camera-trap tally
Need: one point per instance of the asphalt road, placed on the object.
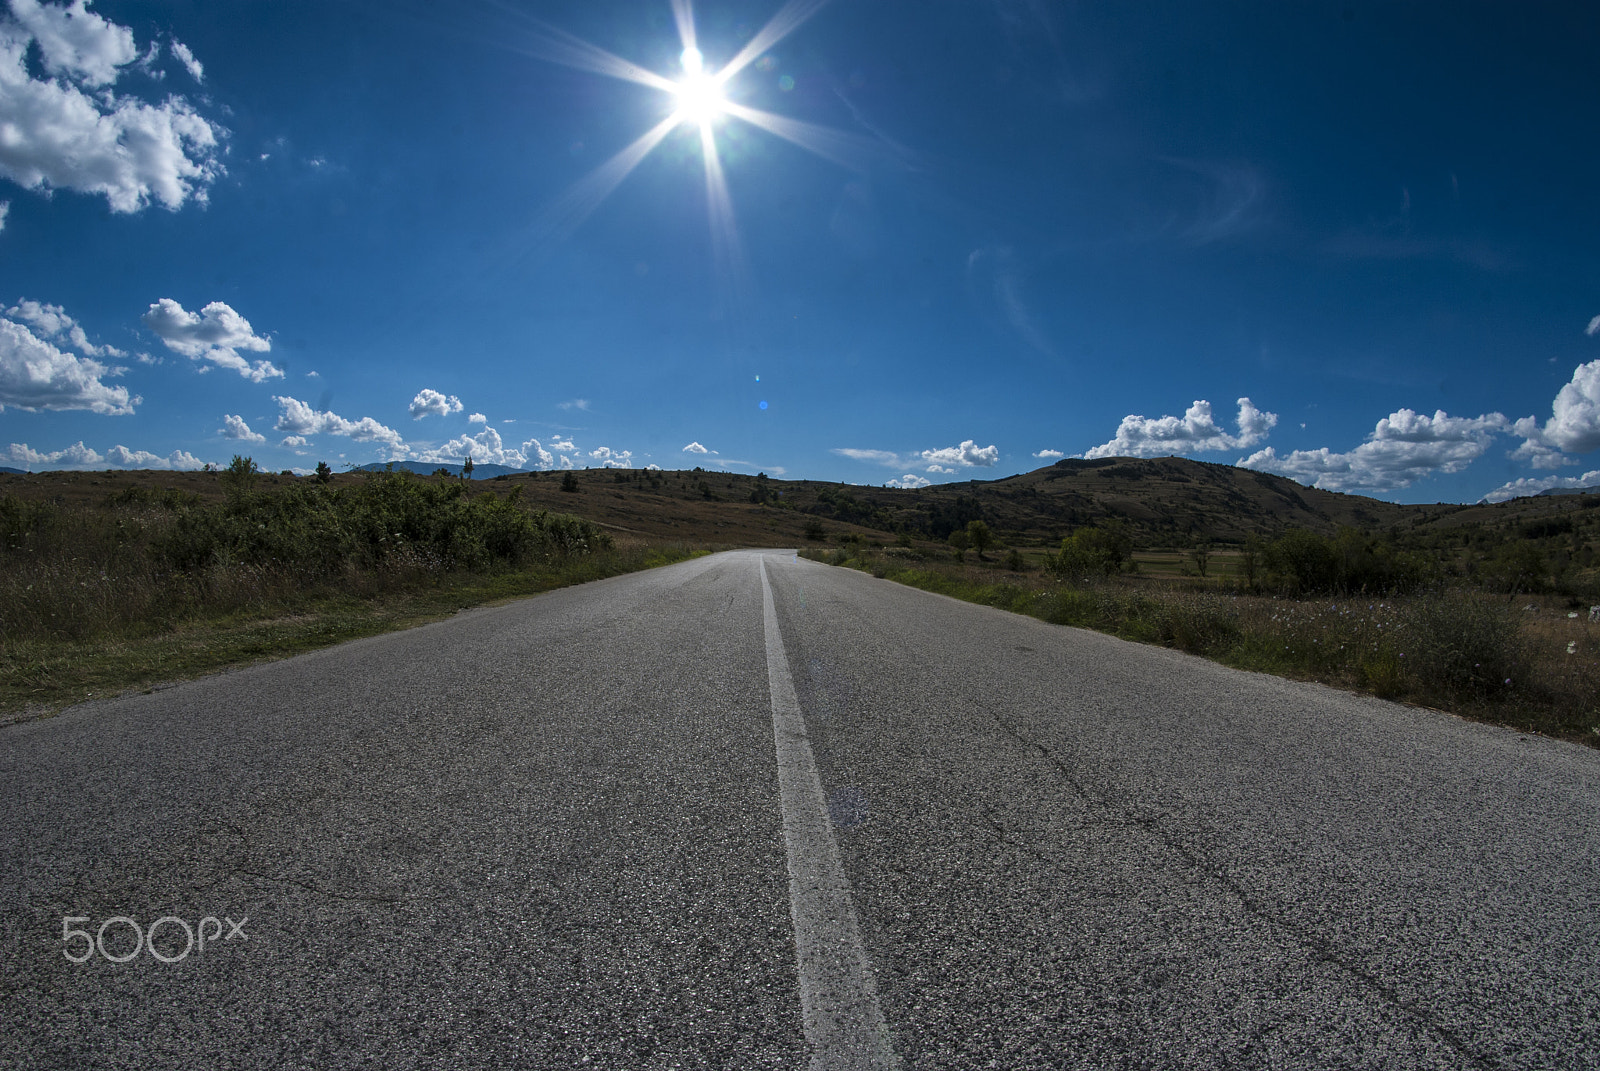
(753, 812)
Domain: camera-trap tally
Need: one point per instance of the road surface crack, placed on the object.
(1316, 945)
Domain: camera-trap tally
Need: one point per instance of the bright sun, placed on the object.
(700, 98)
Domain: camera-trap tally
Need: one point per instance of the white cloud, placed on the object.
(1049, 455)
(537, 454)
(5, 210)
(878, 457)
(295, 442)
(485, 448)
(695, 448)
(234, 427)
(1574, 427)
(76, 454)
(563, 446)
(52, 322)
(144, 459)
(613, 459)
(653, 467)
(298, 418)
(75, 42)
(576, 403)
(1403, 448)
(477, 418)
(196, 70)
(58, 136)
(216, 334)
(1594, 327)
(969, 454)
(1195, 432)
(910, 480)
(943, 460)
(35, 375)
(79, 456)
(430, 402)
(1526, 486)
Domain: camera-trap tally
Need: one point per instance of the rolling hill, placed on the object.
(1165, 502)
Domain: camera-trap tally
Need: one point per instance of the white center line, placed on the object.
(838, 1000)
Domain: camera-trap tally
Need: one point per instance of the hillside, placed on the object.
(1166, 502)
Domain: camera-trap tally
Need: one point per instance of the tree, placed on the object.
(240, 475)
(1105, 550)
(1250, 558)
(466, 468)
(979, 535)
(324, 473)
(569, 483)
(1200, 554)
(960, 540)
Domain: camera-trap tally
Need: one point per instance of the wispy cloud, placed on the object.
(1228, 201)
(998, 286)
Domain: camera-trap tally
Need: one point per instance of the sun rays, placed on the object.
(701, 99)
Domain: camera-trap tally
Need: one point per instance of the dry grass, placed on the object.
(1483, 656)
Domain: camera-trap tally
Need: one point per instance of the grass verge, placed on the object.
(1520, 663)
(39, 675)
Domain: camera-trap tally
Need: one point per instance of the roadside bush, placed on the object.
(149, 557)
(1103, 550)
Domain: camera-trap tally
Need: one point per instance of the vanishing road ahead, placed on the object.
(753, 812)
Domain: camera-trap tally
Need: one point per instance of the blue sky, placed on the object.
(1352, 243)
